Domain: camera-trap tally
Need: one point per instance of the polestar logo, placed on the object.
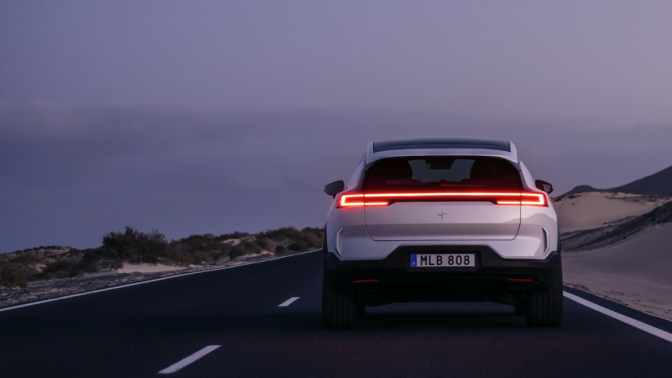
(442, 213)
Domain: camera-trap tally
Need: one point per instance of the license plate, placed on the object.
(443, 260)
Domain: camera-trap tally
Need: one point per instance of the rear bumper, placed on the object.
(393, 280)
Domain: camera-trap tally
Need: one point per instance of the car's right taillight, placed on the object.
(526, 199)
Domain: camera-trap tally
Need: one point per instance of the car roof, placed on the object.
(377, 150)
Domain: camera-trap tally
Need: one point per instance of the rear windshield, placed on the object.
(460, 173)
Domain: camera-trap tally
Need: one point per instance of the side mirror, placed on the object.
(334, 188)
(543, 185)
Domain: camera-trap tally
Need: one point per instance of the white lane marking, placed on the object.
(288, 302)
(635, 323)
(148, 281)
(189, 360)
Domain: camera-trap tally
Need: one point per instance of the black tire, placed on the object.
(519, 309)
(545, 309)
(339, 309)
(361, 309)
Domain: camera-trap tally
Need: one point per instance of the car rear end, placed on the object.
(442, 220)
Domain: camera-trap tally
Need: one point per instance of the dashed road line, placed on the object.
(635, 323)
(189, 360)
(288, 302)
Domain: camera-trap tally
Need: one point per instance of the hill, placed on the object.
(659, 183)
(581, 189)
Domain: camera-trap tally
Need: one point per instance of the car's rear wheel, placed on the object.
(361, 309)
(339, 309)
(545, 309)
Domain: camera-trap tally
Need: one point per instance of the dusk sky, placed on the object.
(216, 116)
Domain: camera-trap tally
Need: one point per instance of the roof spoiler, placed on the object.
(372, 156)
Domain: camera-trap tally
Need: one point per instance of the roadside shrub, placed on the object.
(198, 240)
(297, 246)
(244, 248)
(235, 235)
(215, 247)
(178, 253)
(26, 258)
(13, 274)
(89, 261)
(296, 240)
(202, 257)
(219, 254)
(63, 268)
(97, 259)
(313, 237)
(266, 244)
(220, 251)
(137, 247)
(291, 233)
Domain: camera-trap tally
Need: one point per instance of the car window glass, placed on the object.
(443, 172)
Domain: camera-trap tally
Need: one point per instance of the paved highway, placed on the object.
(263, 320)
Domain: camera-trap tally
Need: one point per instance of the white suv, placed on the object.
(441, 219)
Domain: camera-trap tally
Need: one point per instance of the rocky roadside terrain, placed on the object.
(131, 256)
(40, 290)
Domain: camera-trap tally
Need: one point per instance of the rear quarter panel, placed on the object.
(534, 220)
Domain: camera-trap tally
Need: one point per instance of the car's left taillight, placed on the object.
(353, 199)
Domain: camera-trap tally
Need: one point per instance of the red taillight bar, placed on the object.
(520, 280)
(357, 200)
(362, 199)
(364, 281)
(528, 199)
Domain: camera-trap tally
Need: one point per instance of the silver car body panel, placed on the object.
(372, 233)
(442, 221)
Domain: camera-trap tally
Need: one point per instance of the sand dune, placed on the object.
(637, 272)
(590, 210)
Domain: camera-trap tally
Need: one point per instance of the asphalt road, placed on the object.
(141, 330)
